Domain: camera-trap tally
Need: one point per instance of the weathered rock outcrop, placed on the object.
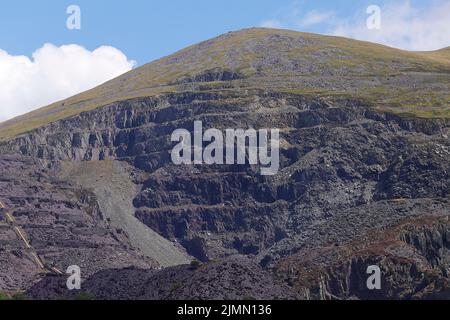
(353, 178)
(235, 278)
(335, 155)
(413, 257)
(61, 222)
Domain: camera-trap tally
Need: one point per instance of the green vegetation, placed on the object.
(12, 296)
(403, 82)
(195, 264)
(402, 101)
(4, 296)
(175, 286)
(84, 296)
(19, 296)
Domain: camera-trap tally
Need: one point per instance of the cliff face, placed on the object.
(62, 224)
(413, 257)
(345, 171)
(120, 130)
(357, 186)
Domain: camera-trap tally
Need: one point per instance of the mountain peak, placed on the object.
(275, 60)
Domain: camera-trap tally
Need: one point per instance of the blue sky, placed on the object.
(145, 30)
(42, 61)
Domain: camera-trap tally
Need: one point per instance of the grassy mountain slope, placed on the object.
(411, 83)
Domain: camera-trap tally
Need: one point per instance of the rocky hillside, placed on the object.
(276, 60)
(364, 176)
(234, 278)
(62, 223)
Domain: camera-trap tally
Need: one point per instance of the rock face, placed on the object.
(412, 256)
(63, 225)
(356, 187)
(114, 185)
(234, 278)
(345, 172)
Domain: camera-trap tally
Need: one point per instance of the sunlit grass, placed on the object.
(336, 56)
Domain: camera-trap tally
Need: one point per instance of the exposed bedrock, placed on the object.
(342, 164)
(63, 224)
(413, 256)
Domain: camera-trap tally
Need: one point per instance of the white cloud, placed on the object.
(292, 17)
(404, 26)
(315, 17)
(272, 23)
(54, 73)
